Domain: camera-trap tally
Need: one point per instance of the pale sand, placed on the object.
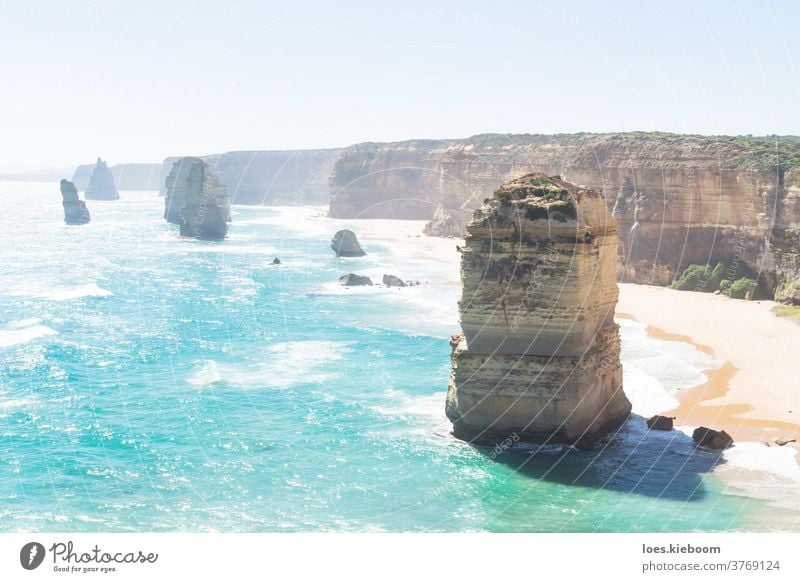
(755, 395)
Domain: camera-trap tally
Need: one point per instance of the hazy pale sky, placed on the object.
(137, 80)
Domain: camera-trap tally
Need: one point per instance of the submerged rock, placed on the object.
(353, 280)
(275, 261)
(539, 356)
(393, 281)
(75, 211)
(710, 438)
(101, 183)
(659, 422)
(196, 200)
(345, 244)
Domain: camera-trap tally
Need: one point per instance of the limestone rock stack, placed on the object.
(539, 356)
(196, 200)
(444, 224)
(101, 183)
(75, 211)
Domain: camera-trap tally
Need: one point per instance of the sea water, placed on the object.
(153, 383)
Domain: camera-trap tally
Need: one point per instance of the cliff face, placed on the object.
(272, 177)
(126, 176)
(677, 199)
(539, 353)
(196, 200)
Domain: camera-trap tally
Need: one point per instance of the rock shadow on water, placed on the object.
(634, 460)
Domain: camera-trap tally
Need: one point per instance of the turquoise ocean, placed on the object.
(151, 383)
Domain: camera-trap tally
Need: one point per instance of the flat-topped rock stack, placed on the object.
(196, 200)
(75, 211)
(539, 354)
(101, 183)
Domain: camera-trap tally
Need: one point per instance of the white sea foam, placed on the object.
(285, 364)
(647, 395)
(779, 461)
(297, 362)
(23, 335)
(14, 404)
(24, 323)
(64, 293)
(428, 407)
(206, 374)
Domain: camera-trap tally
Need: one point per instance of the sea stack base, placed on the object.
(537, 399)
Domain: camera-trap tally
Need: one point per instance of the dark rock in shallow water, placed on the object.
(393, 281)
(101, 183)
(75, 211)
(345, 244)
(353, 280)
(710, 438)
(659, 422)
(196, 200)
(275, 261)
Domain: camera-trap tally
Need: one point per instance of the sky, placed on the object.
(136, 81)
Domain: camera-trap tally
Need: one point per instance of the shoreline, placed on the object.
(728, 399)
(734, 397)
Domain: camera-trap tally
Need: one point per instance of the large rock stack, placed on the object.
(101, 183)
(196, 200)
(539, 354)
(75, 211)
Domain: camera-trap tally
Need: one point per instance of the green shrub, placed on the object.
(741, 287)
(694, 278)
(716, 278)
(725, 286)
(701, 278)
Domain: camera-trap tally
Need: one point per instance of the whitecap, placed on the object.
(19, 324)
(426, 407)
(15, 336)
(285, 364)
(647, 394)
(206, 374)
(68, 293)
(779, 461)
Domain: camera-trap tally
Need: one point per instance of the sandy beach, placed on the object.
(755, 394)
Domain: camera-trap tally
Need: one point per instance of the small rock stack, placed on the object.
(539, 356)
(196, 200)
(75, 211)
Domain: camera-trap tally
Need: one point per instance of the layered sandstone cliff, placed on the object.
(196, 200)
(678, 199)
(539, 354)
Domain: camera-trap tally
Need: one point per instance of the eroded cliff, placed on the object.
(678, 199)
(272, 177)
